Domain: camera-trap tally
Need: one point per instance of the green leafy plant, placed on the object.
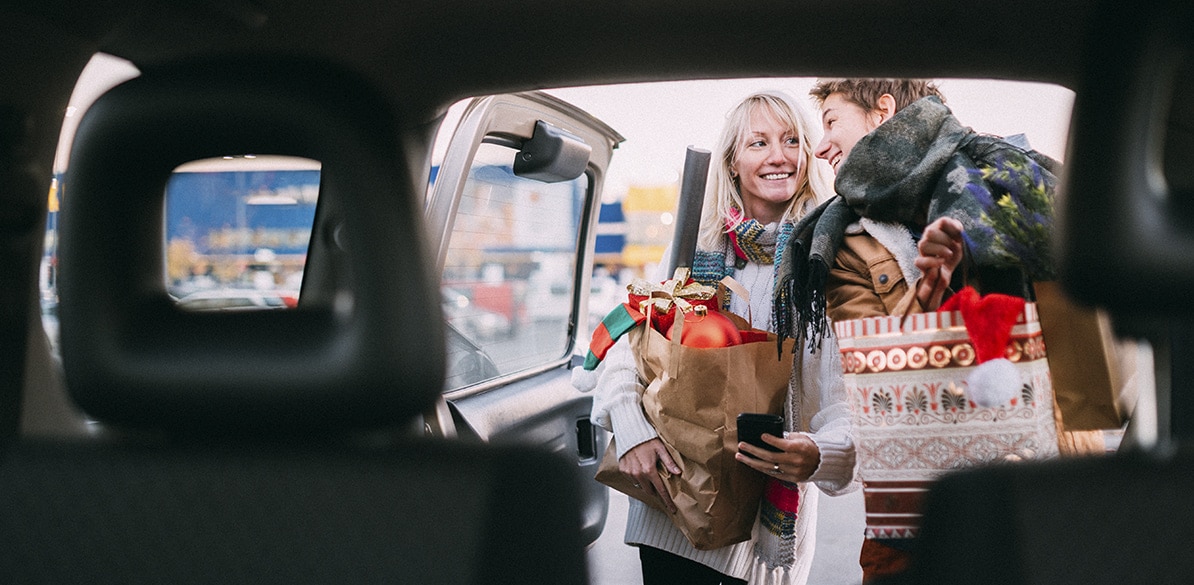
(1017, 201)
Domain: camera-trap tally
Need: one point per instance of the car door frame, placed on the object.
(511, 407)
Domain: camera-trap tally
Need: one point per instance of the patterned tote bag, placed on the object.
(909, 384)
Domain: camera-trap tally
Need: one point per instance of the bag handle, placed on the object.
(677, 335)
(681, 307)
(964, 265)
(728, 283)
(673, 363)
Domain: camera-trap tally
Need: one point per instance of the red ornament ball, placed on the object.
(707, 329)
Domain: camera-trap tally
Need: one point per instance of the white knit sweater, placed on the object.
(816, 406)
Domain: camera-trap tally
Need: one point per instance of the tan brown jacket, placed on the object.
(866, 281)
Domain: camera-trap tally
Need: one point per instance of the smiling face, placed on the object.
(767, 166)
(845, 122)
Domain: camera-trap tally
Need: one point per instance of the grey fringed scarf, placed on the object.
(916, 167)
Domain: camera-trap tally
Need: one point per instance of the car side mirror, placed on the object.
(552, 155)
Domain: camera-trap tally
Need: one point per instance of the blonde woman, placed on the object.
(764, 178)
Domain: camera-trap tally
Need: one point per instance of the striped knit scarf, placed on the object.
(751, 240)
(775, 542)
(710, 266)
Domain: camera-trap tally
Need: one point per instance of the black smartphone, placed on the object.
(752, 425)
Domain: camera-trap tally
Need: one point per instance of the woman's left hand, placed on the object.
(797, 460)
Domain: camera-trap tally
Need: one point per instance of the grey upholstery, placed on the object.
(132, 358)
(78, 513)
(234, 447)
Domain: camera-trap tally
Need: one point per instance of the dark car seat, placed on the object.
(1099, 520)
(264, 447)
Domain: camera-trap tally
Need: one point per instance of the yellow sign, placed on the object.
(637, 255)
(651, 198)
(53, 202)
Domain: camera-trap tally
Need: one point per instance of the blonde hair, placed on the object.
(722, 195)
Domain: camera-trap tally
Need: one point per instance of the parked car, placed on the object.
(233, 299)
(292, 446)
(480, 324)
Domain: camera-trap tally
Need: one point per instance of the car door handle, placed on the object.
(586, 440)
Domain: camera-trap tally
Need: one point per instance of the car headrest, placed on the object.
(1126, 238)
(371, 358)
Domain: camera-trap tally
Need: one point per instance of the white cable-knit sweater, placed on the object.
(816, 406)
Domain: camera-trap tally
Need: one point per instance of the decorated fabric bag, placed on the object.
(692, 397)
(937, 392)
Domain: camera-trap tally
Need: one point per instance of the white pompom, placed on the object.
(584, 380)
(993, 383)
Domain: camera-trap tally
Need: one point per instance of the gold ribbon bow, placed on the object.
(671, 292)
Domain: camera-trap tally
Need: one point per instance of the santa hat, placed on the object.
(989, 321)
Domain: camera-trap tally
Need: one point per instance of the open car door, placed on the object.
(512, 214)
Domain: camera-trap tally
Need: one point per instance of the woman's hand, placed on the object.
(940, 251)
(797, 461)
(640, 464)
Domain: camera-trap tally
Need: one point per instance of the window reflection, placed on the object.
(510, 274)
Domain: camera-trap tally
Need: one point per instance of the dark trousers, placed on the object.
(664, 568)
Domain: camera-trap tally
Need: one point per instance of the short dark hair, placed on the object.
(865, 92)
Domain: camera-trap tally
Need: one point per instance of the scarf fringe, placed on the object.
(783, 297)
(812, 310)
(799, 309)
(764, 574)
(803, 308)
(784, 544)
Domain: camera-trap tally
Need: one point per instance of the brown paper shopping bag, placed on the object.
(1089, 378)
(693, 397)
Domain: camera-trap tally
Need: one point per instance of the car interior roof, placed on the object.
(422, 56)
(425, 54)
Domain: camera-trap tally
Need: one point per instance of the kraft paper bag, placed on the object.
(693, 397)
(1089, 378)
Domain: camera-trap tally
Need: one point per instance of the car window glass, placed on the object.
(510, 273)
(237, 229)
